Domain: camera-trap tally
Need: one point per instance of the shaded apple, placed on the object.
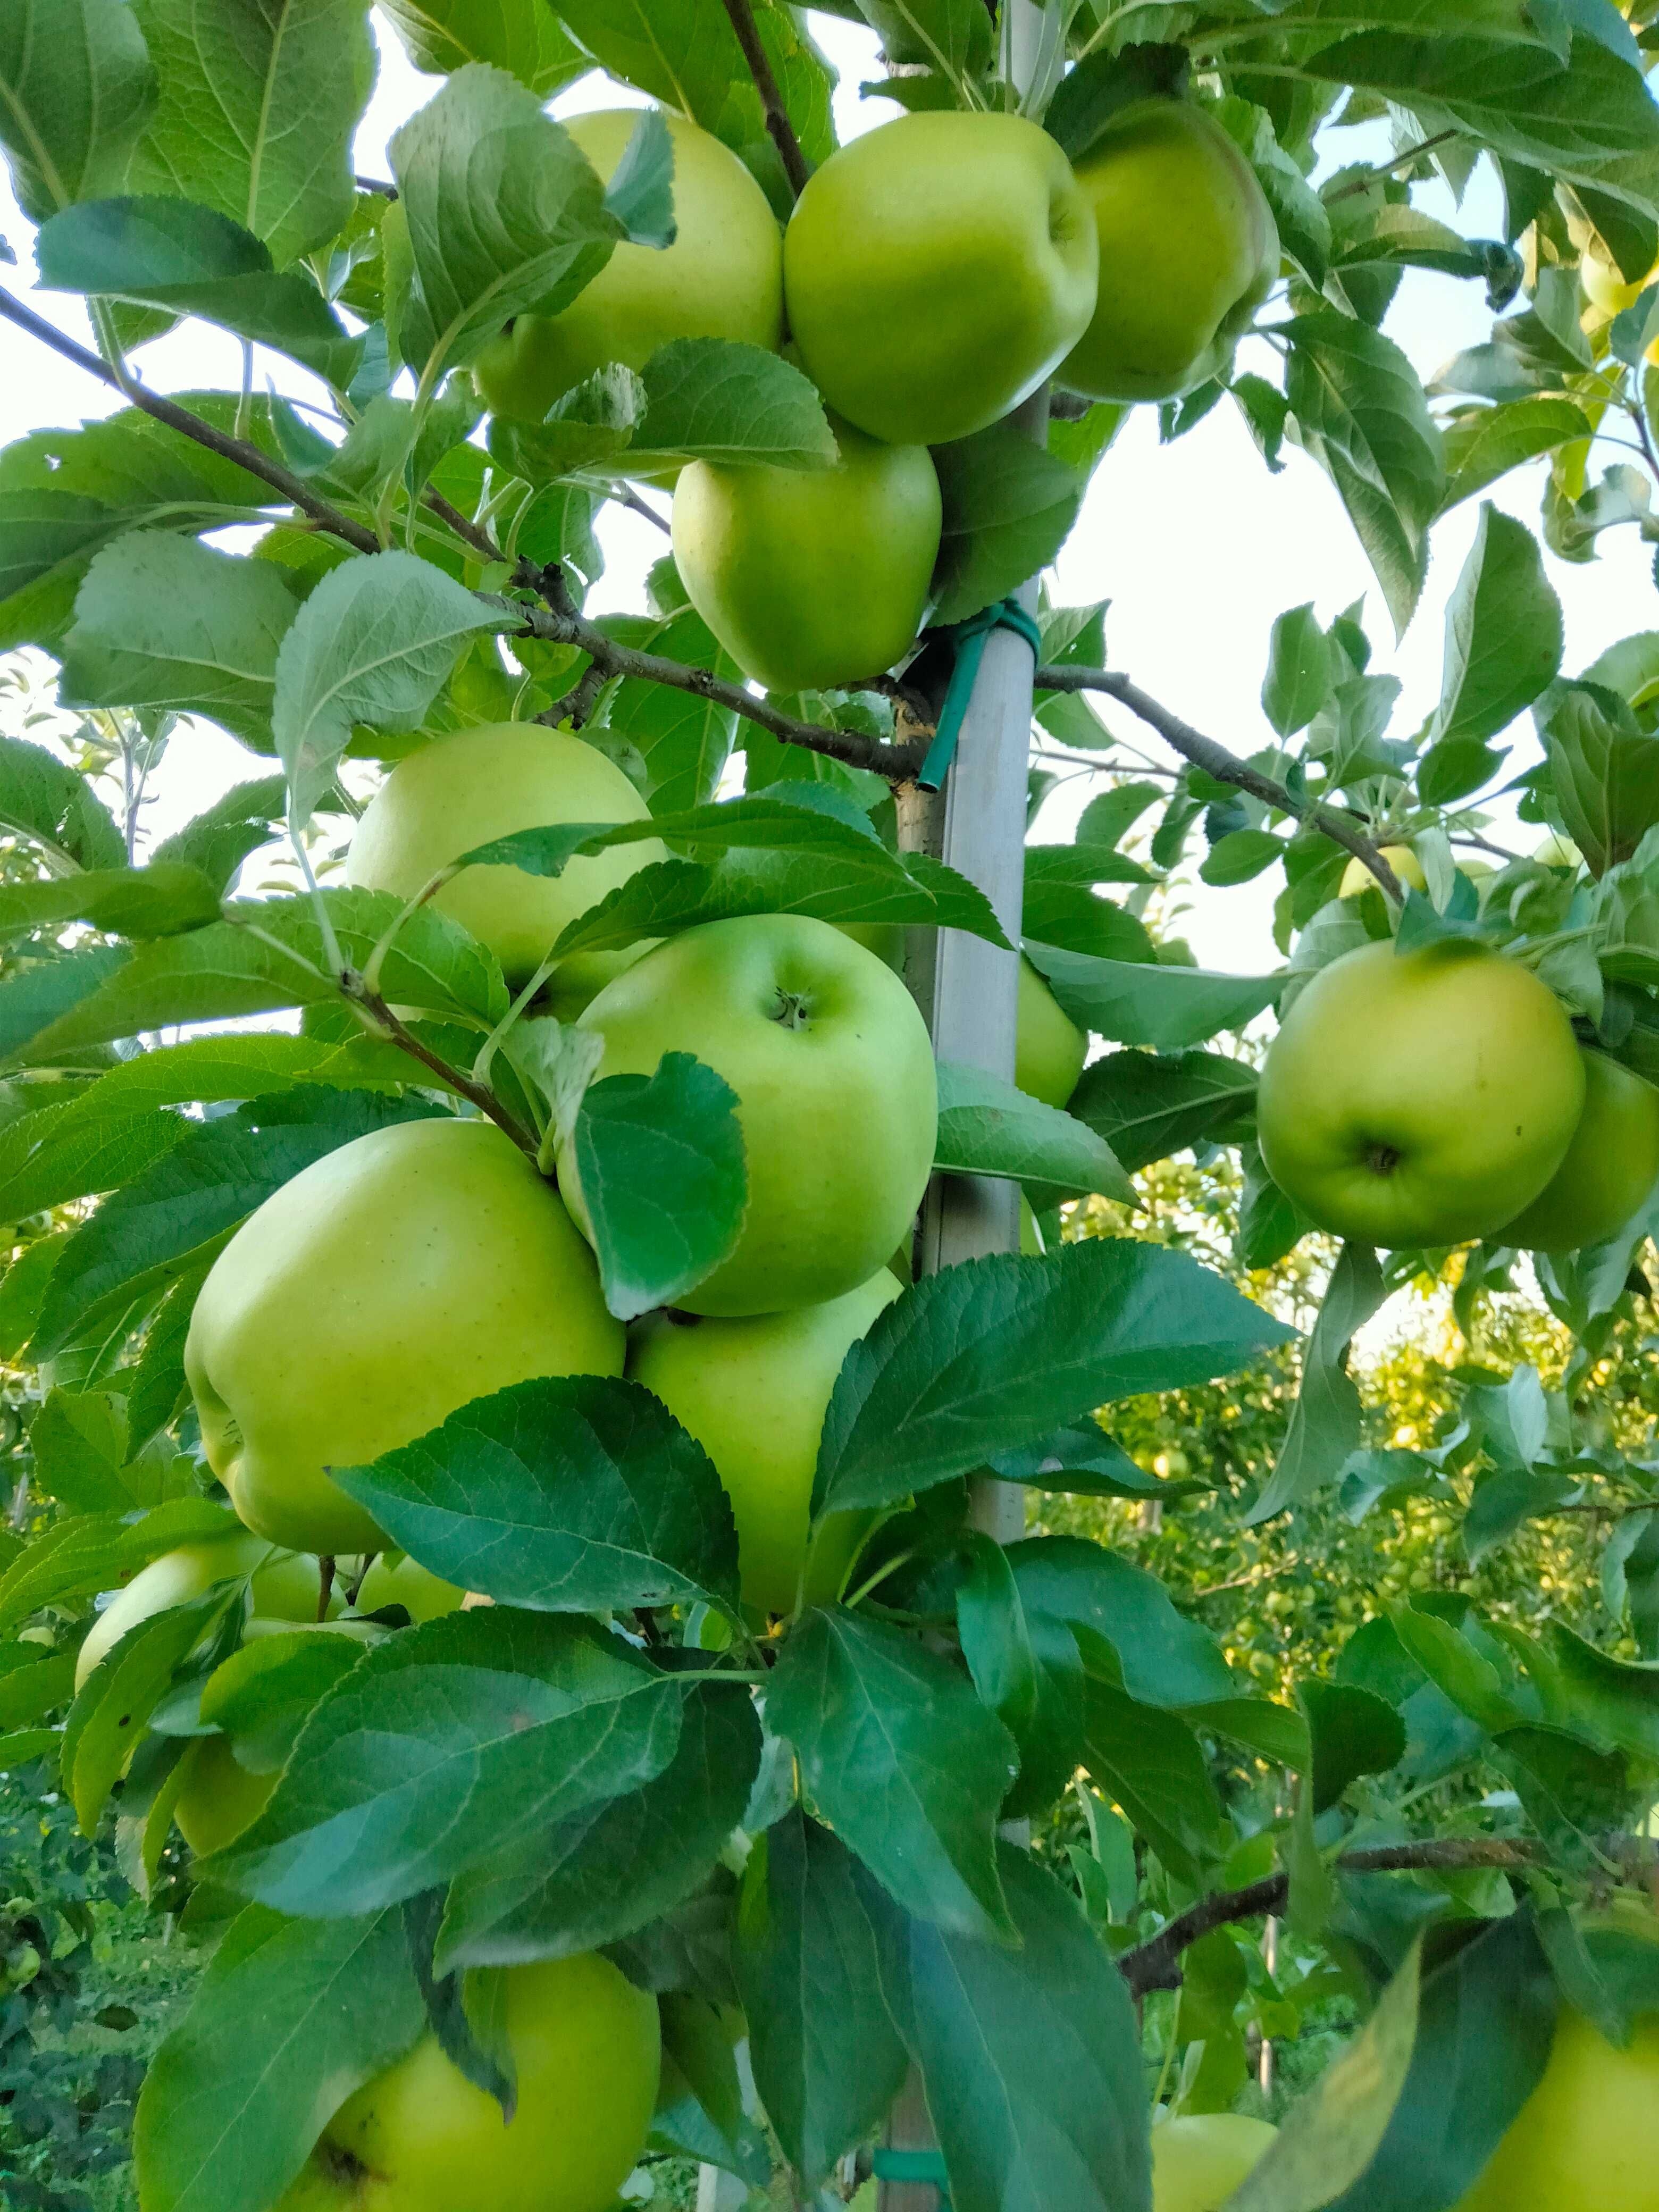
(1611, 1163)
(1050, 1048)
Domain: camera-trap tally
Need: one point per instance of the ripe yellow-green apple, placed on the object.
(1589, 2135)
(754, 1393)
(1188, 251)
(1358, 878)
(466, 790)
(1611, 1166)
(1555, 851)
(1050, 1048)
(721, 278)
(587, 2051)
(1419, 1097)
(936, 271)
(837, 1096)
(1199, 2158)
(285, 1587)
(219, 1798)
(811, 578)
(400, 1277)
(394, 1578)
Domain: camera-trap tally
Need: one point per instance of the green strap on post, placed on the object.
(925, 2168)
(969, 640)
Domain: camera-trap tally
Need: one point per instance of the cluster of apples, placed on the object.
(934, 273)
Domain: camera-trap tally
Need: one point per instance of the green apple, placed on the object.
(1188, 251)
(587, 2050)
(1611, 1166)
(394, 1578)
(219, 1798)
(1199, 2160)
(1050, 1048)
(754, 1393)
(721, 278)
(401, 1277)
(464, 791)
(837, 1096)
(1421, 1097)
(811, 578)
(1358, 878)
(936, 271)
(1586, 2139)
(285, 1588)
(884, 939)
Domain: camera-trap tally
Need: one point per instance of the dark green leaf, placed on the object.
(1353, 1732)
(1604, 770)
(713, 399)
(1144, 1003)
(1157, 1655)
(987, 1127)
(120, 1694)
(1148, 1105)
(1009, 505)
(76, 87)
(1488, 442)
(1300, 672)
(522, 37)
(1503, 633)
(95, 1551)
(1151, 1764)
(1325, 1426)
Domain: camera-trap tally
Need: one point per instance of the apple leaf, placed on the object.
(163, 620)
(1604, 770)
(713, 399)
(522, 37)
(191, 260)
(900, 1758)
(661, 1178)
(123, 1689)
(1325, 1423)
(373, 643)
(987, 1127)
(1030, 2056)
(54, 807)
(157, 901)
(1143, 1002)
(211, 1180)
(262, 1694)
(603, 1872)
(1488, 442)
(1160, 1656)
(91, 1552)
(1008, 506)
(255, 113)
(827, 2060)
(1504, 634)
(227, 2120)
(1301, 672)
(77, 84)
(490, 1725)
(1148, 1105)
(1149, 1761)
(997, 1353)
(568, 1494)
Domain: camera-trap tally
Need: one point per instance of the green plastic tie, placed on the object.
(922, 2167)
(969, 640)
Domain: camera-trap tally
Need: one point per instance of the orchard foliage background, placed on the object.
(1381, 1670)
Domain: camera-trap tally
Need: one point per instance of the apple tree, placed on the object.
(515, 1490)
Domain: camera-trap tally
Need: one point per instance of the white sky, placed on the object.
(1195, 545)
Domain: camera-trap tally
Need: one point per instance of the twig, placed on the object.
(1402, 160)
(376, 185)
(577, 703)
(228, 448)
(1225, 767)
(625, 496)
(781, 129)
(353, 987)
(1153, 1964)
(559, 622)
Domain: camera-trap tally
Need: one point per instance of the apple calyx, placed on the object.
(792, 1011)
(1382, 1159)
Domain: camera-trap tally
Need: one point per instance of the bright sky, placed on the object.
(1197, 547)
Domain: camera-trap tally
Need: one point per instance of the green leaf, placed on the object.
(190, 260)
(948, 35)
(1143, 1002)
(1605, 772)
(227, 2119)
(1329, 2139)
(211, 1180)
(30, 1686)
(1488, 442)
(900, 1758)
(373, 644)
(585, 430)
(1485, 2025)
(1592, 124)
(700, 2102)
(163, 620)
(685, 741)
(522, 37)
(79, 1440)
(1503, 633)
(76, 87)
(262, 1694)
(1301, 672)
(603, 1872)
(1149, 1760)
(827, 2059)
(1325, 1424)
(1008, 507)
(489, 1725)
(49, 804)
(219, 839)
(987, 1127)
(715, 400)
(661, 1180)
(1364, 417)
(153, 901)
(1353, 1732)
(502, 212)
(122, 1692)
(575, 1494)
(1159, 1657)
(1148, 1105)
(1240, 857)
(998, 1352)
(95, 1551)
(255, 113)
(641, 192)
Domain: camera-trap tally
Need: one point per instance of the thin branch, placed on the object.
(782, 129)
(238, 449)
(1153, 1964)
(354, 989)
(1225, 767)
(559, 622)
(376, 185)
(625, 496)
(1385, 169)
